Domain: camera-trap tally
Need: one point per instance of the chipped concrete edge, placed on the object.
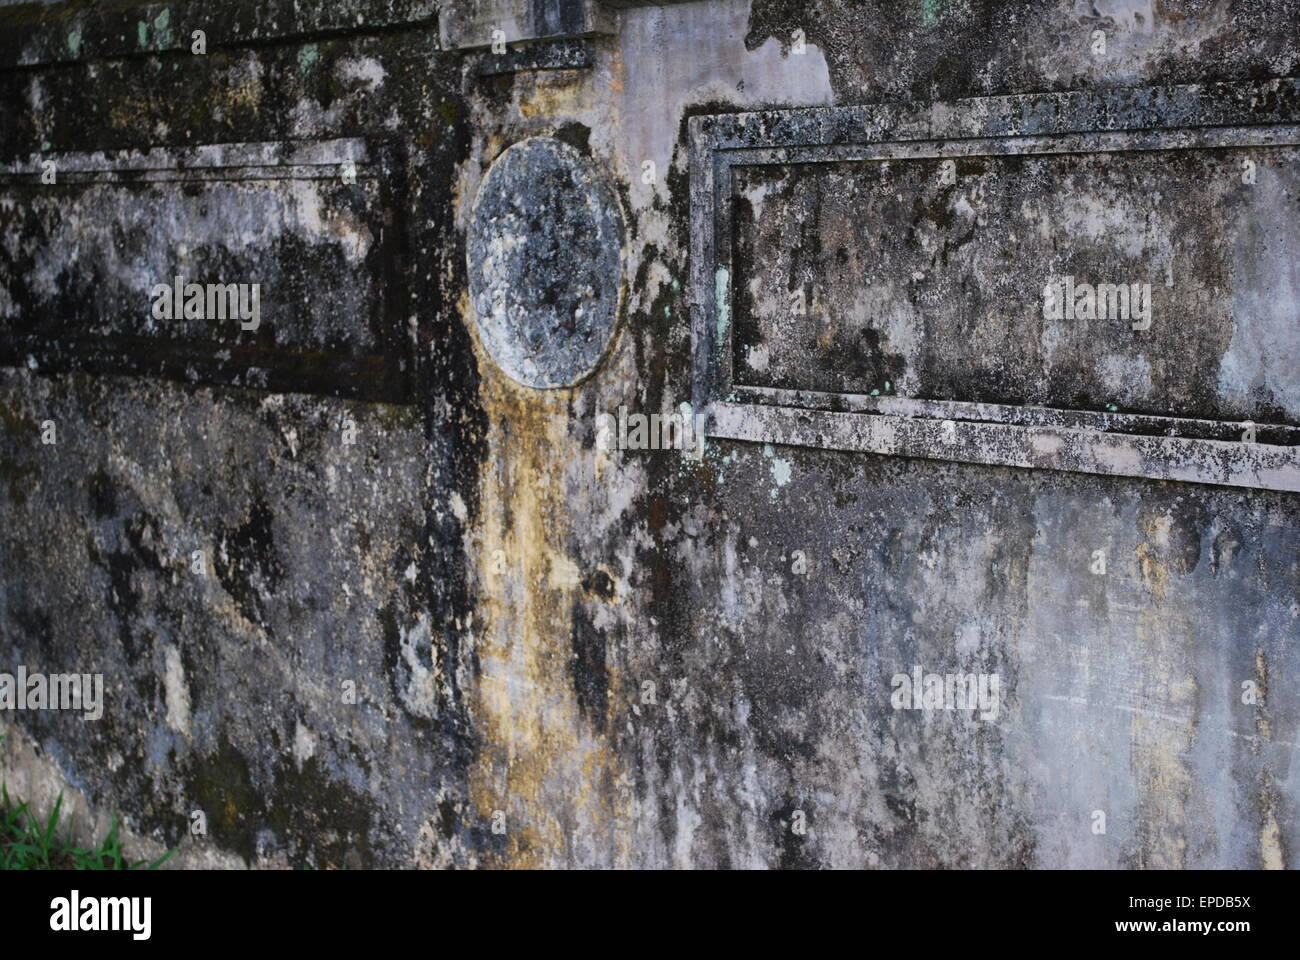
(1261, 466)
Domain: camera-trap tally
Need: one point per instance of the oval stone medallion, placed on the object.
(545, 244)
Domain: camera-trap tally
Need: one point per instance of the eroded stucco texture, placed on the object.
(570, 655)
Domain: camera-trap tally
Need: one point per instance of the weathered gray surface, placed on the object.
(938, 281)
(503, 592)
(478, 23)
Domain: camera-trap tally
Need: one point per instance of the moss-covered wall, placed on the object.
(569, 655)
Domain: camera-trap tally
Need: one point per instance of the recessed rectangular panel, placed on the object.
(1097, 264)
(306, 229)
(1153, 281)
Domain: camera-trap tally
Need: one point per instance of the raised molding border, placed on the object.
(1252, 114)
(384, 376)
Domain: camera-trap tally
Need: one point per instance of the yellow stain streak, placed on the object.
(1159, 748)
(552, 93)
(541, 762)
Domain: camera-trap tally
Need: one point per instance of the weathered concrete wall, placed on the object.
(565, 654)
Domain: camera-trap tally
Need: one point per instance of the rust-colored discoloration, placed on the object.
(539, 762)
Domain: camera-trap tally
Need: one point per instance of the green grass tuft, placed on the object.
(29, 843)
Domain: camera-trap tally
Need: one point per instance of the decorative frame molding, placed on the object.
(1255, 114)
(385, 374)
